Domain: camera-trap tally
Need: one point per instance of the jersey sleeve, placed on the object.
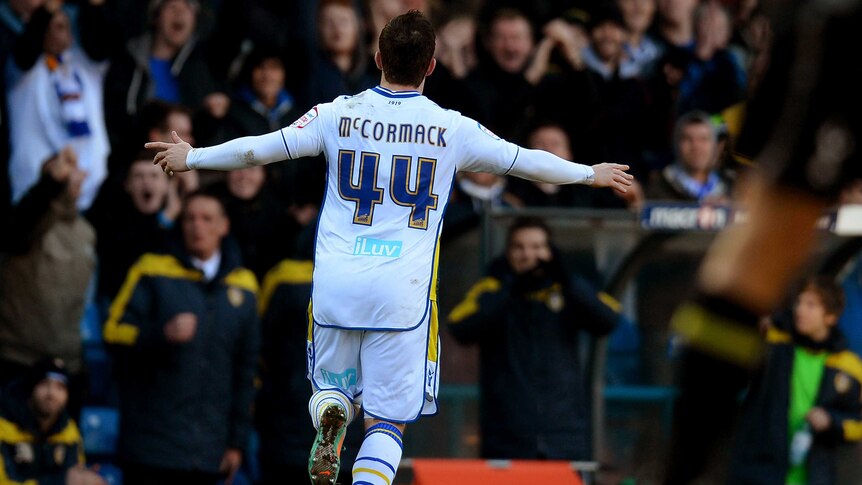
(483, 151)
(304, 137)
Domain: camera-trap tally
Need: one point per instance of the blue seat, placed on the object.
(111, 473)
(100, 428)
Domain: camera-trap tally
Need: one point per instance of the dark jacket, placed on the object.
(28, 453)
(281, 412)
(761, 453)
(261, 226)
(502, 101)
(183, 405)
(249, 117)
(128, 86)
(124, 235)
(534, 398)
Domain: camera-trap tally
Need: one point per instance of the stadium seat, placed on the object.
(100, 427)
(503, 472)
(111, 474)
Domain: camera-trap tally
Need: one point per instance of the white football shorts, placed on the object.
(392, 375)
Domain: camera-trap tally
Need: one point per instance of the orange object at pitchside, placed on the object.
(471, 472)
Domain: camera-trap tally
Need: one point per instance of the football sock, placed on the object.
(378, 456)
(322, 398)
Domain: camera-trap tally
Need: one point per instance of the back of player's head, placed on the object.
(406, 48)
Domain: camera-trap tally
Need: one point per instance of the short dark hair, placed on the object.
(202, 194)
(407, 45)
(522, 223)
(154, 115)
(830, 292)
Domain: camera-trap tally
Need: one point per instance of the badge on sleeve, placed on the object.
(556, 302)
(842, 383)
(60, 454)
(305, 119)
(235, 296)
(24, 453)
(487, 131)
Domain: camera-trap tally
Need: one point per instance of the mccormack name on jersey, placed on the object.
(392, 132)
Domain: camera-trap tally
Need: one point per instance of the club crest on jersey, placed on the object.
(487, 131)
(305, 119)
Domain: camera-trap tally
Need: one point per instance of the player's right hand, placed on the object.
(171, 156)
(613, 175)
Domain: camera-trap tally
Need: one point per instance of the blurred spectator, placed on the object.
(184, 331)
(456, 45)
(751, 41)
(39, 442)
(805, 403)
(137, 222)
(456, 58)
(642, 50)
(662, 110)
(280, 414)
(261, 104)
(14, 15)
(714, 79)
(694, 175)
(258, 219)
(676, 22)
(473, 194)
(44, 278)
(57, 102)
(157, 120)
(341, 66)
(602, 111)
(499, 85)
(166, 63)
(526, 316)
(606, 51)
(243, 26)
(552, 138)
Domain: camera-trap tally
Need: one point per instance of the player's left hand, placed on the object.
(819, 419)
(230, 464)
(171, 156)
(613, 175)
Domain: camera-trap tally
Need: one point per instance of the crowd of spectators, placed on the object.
(91, 223)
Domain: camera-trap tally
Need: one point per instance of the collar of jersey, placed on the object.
(394, 94)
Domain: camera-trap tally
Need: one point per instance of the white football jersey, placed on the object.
(392, 158)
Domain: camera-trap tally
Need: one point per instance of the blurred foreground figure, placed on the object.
(804, 129)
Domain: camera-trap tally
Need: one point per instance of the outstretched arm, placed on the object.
(541, 166)
(243, 152)
(483, 151)
(301, 139)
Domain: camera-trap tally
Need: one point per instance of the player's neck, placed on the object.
(401, 87)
